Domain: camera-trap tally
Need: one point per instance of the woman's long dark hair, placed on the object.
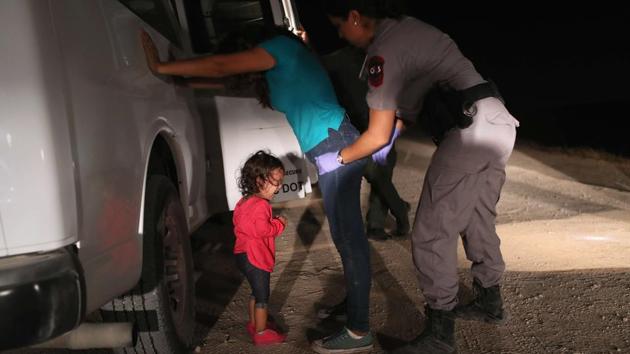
(376, 9)
(257, 168)
(246, 39)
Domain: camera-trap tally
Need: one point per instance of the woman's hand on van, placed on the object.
(150, 51)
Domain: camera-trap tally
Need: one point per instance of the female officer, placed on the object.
(297, 85)
(405, 59)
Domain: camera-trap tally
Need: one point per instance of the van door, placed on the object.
(244, 126)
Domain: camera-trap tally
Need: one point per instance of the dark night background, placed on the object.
(565, 74)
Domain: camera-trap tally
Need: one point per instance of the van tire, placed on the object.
(162, 305)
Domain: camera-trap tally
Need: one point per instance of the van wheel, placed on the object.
(162, 304)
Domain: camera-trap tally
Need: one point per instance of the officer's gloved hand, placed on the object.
(380, 156)
(327, 162)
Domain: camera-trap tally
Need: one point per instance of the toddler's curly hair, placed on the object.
(257, 168)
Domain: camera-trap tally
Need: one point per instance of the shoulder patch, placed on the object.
(375, 70)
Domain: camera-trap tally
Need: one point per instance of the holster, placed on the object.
(445, 109)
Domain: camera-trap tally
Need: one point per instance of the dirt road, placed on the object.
(564, 222)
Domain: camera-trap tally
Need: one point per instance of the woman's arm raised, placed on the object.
(213, 66)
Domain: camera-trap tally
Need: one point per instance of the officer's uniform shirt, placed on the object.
(405, 59)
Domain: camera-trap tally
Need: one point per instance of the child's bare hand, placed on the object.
(283, 220)
(150, 51)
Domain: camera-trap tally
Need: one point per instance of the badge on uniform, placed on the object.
(375, 70)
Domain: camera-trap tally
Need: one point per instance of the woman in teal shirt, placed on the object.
(298, 86)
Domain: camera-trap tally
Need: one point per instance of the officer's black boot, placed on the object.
(438, 336)
(487, 305)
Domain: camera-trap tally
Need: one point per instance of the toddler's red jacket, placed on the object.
(255, 229)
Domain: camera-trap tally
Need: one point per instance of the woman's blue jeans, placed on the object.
(342, 204)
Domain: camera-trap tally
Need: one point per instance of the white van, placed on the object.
(104, 168)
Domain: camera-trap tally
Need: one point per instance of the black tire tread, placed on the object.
(143, 305)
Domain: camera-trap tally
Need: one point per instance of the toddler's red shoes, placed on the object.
(268, 336)
(251, 328)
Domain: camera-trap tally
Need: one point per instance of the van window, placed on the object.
(223, 16)
(211, 20)
(159, 14)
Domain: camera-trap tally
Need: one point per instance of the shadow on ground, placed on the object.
(218, 276)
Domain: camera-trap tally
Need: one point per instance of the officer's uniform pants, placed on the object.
(461, 189)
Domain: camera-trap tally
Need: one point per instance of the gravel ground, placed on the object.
(564, 223)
